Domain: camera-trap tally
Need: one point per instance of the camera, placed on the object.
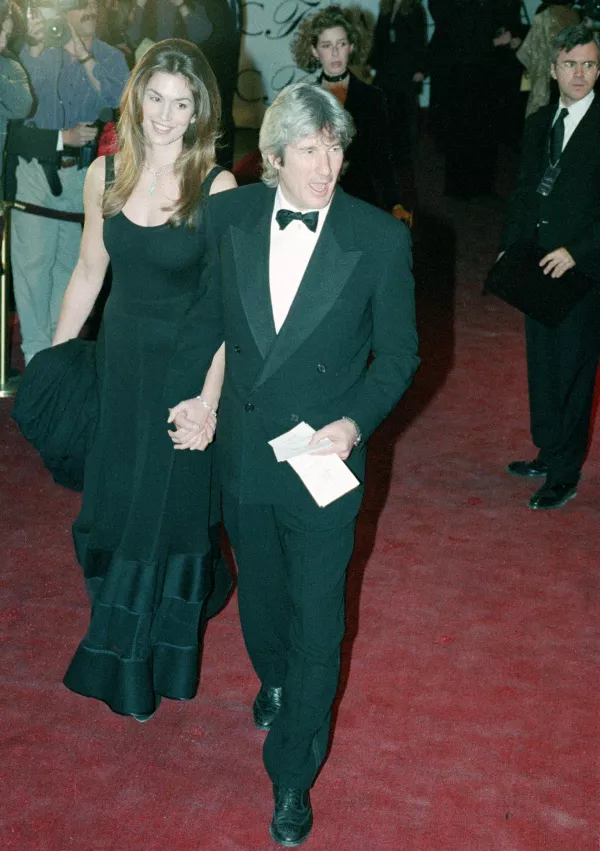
(56, 29)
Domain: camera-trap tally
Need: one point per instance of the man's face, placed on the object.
(5, 32)
(310, 170)
(83, 21)
(333, 50)
(576, 72)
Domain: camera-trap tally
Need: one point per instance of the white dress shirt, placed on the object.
(291, 250)
(576, 112)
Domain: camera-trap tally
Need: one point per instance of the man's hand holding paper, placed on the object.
(315, 458)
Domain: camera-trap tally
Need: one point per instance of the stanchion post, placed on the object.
(8, 383)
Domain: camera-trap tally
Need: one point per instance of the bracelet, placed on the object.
(358, 438)
(207, 406)
(87, 59)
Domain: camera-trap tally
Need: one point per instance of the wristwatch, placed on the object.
(87, 59)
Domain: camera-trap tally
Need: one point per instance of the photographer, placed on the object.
(15, 95)
(74, 77)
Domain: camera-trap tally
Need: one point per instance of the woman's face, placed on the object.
(5, 32)
(333, 50)
(168, 108)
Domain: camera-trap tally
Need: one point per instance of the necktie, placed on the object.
(557, 136)
(284, 217)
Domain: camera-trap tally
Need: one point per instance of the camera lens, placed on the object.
(56, 32)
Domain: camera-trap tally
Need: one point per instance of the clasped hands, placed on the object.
(194, 423)
(195, 428)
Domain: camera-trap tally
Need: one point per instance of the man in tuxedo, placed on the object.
(557, 203)
(319, 327)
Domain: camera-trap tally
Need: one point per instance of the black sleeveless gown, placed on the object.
(147, 534)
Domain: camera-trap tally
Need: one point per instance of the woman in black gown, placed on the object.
(144, 537)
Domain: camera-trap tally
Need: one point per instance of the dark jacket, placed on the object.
(15, 100)
(465, 29)
(370, 174)
(398, 57)
(356, 299)
(570, 216)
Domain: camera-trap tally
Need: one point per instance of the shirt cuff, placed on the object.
(60, 141)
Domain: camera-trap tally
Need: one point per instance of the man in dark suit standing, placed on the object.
(319, 326)
(557, 203)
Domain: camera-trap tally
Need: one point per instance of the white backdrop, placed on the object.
(266, 64)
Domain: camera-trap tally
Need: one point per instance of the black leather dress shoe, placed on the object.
(266, 706)
(553, 496)
(292, 817)
(527, 469)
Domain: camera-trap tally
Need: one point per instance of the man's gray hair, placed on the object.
(299, 110)
(572, 37)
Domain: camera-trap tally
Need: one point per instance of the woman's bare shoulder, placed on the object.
(224, 180)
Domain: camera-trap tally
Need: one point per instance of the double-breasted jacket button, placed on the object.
(295, 418)
(321, 367)
(248, 407)
(237, 350)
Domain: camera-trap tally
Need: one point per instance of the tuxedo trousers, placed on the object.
(291, 591)
(561, 369)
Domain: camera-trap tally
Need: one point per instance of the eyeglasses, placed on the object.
(570, 65)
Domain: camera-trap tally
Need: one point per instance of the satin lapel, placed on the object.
(251, 254)
(327, 273)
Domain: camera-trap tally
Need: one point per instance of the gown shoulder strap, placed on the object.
(210, 179)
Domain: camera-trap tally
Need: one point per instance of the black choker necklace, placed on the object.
(337, 78)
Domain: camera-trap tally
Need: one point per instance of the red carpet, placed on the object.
(468, 720)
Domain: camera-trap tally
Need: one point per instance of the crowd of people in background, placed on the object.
(482, 61)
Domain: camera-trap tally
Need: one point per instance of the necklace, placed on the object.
(337, 78)
(156, 174)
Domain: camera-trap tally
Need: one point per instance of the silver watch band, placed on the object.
(358, 438)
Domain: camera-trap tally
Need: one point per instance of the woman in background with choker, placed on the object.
(330, 40)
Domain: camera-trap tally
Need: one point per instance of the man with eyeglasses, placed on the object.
(557, 204)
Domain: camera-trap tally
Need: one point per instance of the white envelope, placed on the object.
(326, 477)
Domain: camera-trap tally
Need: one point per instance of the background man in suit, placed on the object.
(557, 202)
(312, 283)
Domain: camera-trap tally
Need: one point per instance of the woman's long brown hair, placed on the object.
(197, 157)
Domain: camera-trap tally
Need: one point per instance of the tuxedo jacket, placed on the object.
(348, 346)
(570, 215)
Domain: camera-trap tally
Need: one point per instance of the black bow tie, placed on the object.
(284, 217)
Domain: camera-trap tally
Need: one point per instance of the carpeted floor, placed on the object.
(468, 715)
